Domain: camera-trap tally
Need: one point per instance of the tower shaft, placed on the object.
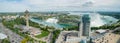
(27, 18)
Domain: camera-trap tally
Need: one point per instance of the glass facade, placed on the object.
(86, 25)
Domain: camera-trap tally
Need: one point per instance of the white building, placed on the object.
(3, 36)
(101, 31)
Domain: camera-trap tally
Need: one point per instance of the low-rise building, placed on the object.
(107, 38)
(101, 31)
(34, 31)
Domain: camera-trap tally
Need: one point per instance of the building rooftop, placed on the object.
(2, 36)
(68, 37)
(101, 31)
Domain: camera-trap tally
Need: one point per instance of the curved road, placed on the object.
(118, 28)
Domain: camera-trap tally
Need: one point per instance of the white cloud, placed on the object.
(37, 5)
(12, 7)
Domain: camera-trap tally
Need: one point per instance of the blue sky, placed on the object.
(59, 5)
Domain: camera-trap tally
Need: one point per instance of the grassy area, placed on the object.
(24, 40)
(56, 34)
(71, 28)
(5, 41)
(43, 34)
(31, 40)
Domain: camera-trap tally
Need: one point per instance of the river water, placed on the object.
(96, 20)
(56, 25)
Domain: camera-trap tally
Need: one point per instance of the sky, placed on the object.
(59, 5)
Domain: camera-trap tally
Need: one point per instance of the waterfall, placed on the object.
(52, 20)
(96, 20)
(99, 20)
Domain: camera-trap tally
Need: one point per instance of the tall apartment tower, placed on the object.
(27, 18)
(84, 26)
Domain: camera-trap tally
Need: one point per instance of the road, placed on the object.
(13, 37)
(50, 37)
(118, 28)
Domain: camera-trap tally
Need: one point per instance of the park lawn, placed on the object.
(43, 34)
